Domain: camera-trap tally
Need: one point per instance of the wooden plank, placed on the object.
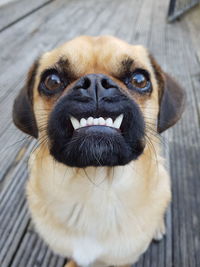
(195, 85)
(9, 230)
(191, 173)
(34, 252)
(14, 11)
(39, 257)
(142, 29)
(11, 152)
(9, 183)
(193, 25)
(102, 20)
(184, 147)
(28, 41)
(25, 249)
(32, 261)
(15, 193)
(14, 238)
(126, 30)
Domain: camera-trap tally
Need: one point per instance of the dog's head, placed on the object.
(97, 100)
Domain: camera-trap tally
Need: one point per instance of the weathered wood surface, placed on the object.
(141, 22)
(13, 11)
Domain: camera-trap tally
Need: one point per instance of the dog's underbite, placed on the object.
(98, 188)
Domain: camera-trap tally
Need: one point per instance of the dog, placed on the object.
(98, 189)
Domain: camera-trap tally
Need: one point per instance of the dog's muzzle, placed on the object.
(96, 124)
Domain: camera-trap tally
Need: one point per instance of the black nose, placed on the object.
(97, 86)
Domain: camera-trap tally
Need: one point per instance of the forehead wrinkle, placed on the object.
(62, 62)
(117, 57)
(126, 65)
(80, 52)
(63, 65)
(108, 51)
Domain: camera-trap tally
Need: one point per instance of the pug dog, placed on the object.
(98, 188)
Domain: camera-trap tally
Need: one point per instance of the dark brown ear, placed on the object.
(172, 98)
(23, 115)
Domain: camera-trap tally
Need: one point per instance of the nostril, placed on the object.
(86, 83)
(105, 83)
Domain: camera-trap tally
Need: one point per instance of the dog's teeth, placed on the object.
(83, 122)
(75, 123)
(118, 121)
(101, 121)
(90, 121)
(109, 122)
(96, 121)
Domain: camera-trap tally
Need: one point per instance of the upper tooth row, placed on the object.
(97, 121)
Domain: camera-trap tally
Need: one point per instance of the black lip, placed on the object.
(98, 129)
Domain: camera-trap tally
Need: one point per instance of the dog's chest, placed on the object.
(97, 219)
(97, 209)
(94, 225)
(97, 216)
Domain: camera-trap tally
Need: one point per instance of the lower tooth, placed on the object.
(90, 121)
(118, 121)
(83, 122)
(75, 123)
(109, 122)
(101, 121)
(96, 121)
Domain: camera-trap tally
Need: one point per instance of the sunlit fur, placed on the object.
(98, 215)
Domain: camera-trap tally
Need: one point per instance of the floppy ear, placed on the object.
(172, 98)
(23, 115)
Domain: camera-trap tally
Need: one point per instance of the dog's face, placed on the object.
(97, 101)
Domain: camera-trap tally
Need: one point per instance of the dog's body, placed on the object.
(106, 208)
(112, 220)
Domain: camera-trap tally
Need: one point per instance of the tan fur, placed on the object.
(99, 216)
(71, 264)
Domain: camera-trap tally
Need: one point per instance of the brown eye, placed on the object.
(139, 80)
(53, 82)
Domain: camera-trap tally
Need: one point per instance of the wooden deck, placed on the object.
(27, 28)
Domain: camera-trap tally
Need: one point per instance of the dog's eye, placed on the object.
(139, 80)
(53, 82)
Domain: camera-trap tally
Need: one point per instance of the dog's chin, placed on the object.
(96, 146)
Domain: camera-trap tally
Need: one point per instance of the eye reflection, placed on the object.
(53, 82)
(139, 80)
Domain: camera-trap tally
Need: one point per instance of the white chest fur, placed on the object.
(97, 214)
